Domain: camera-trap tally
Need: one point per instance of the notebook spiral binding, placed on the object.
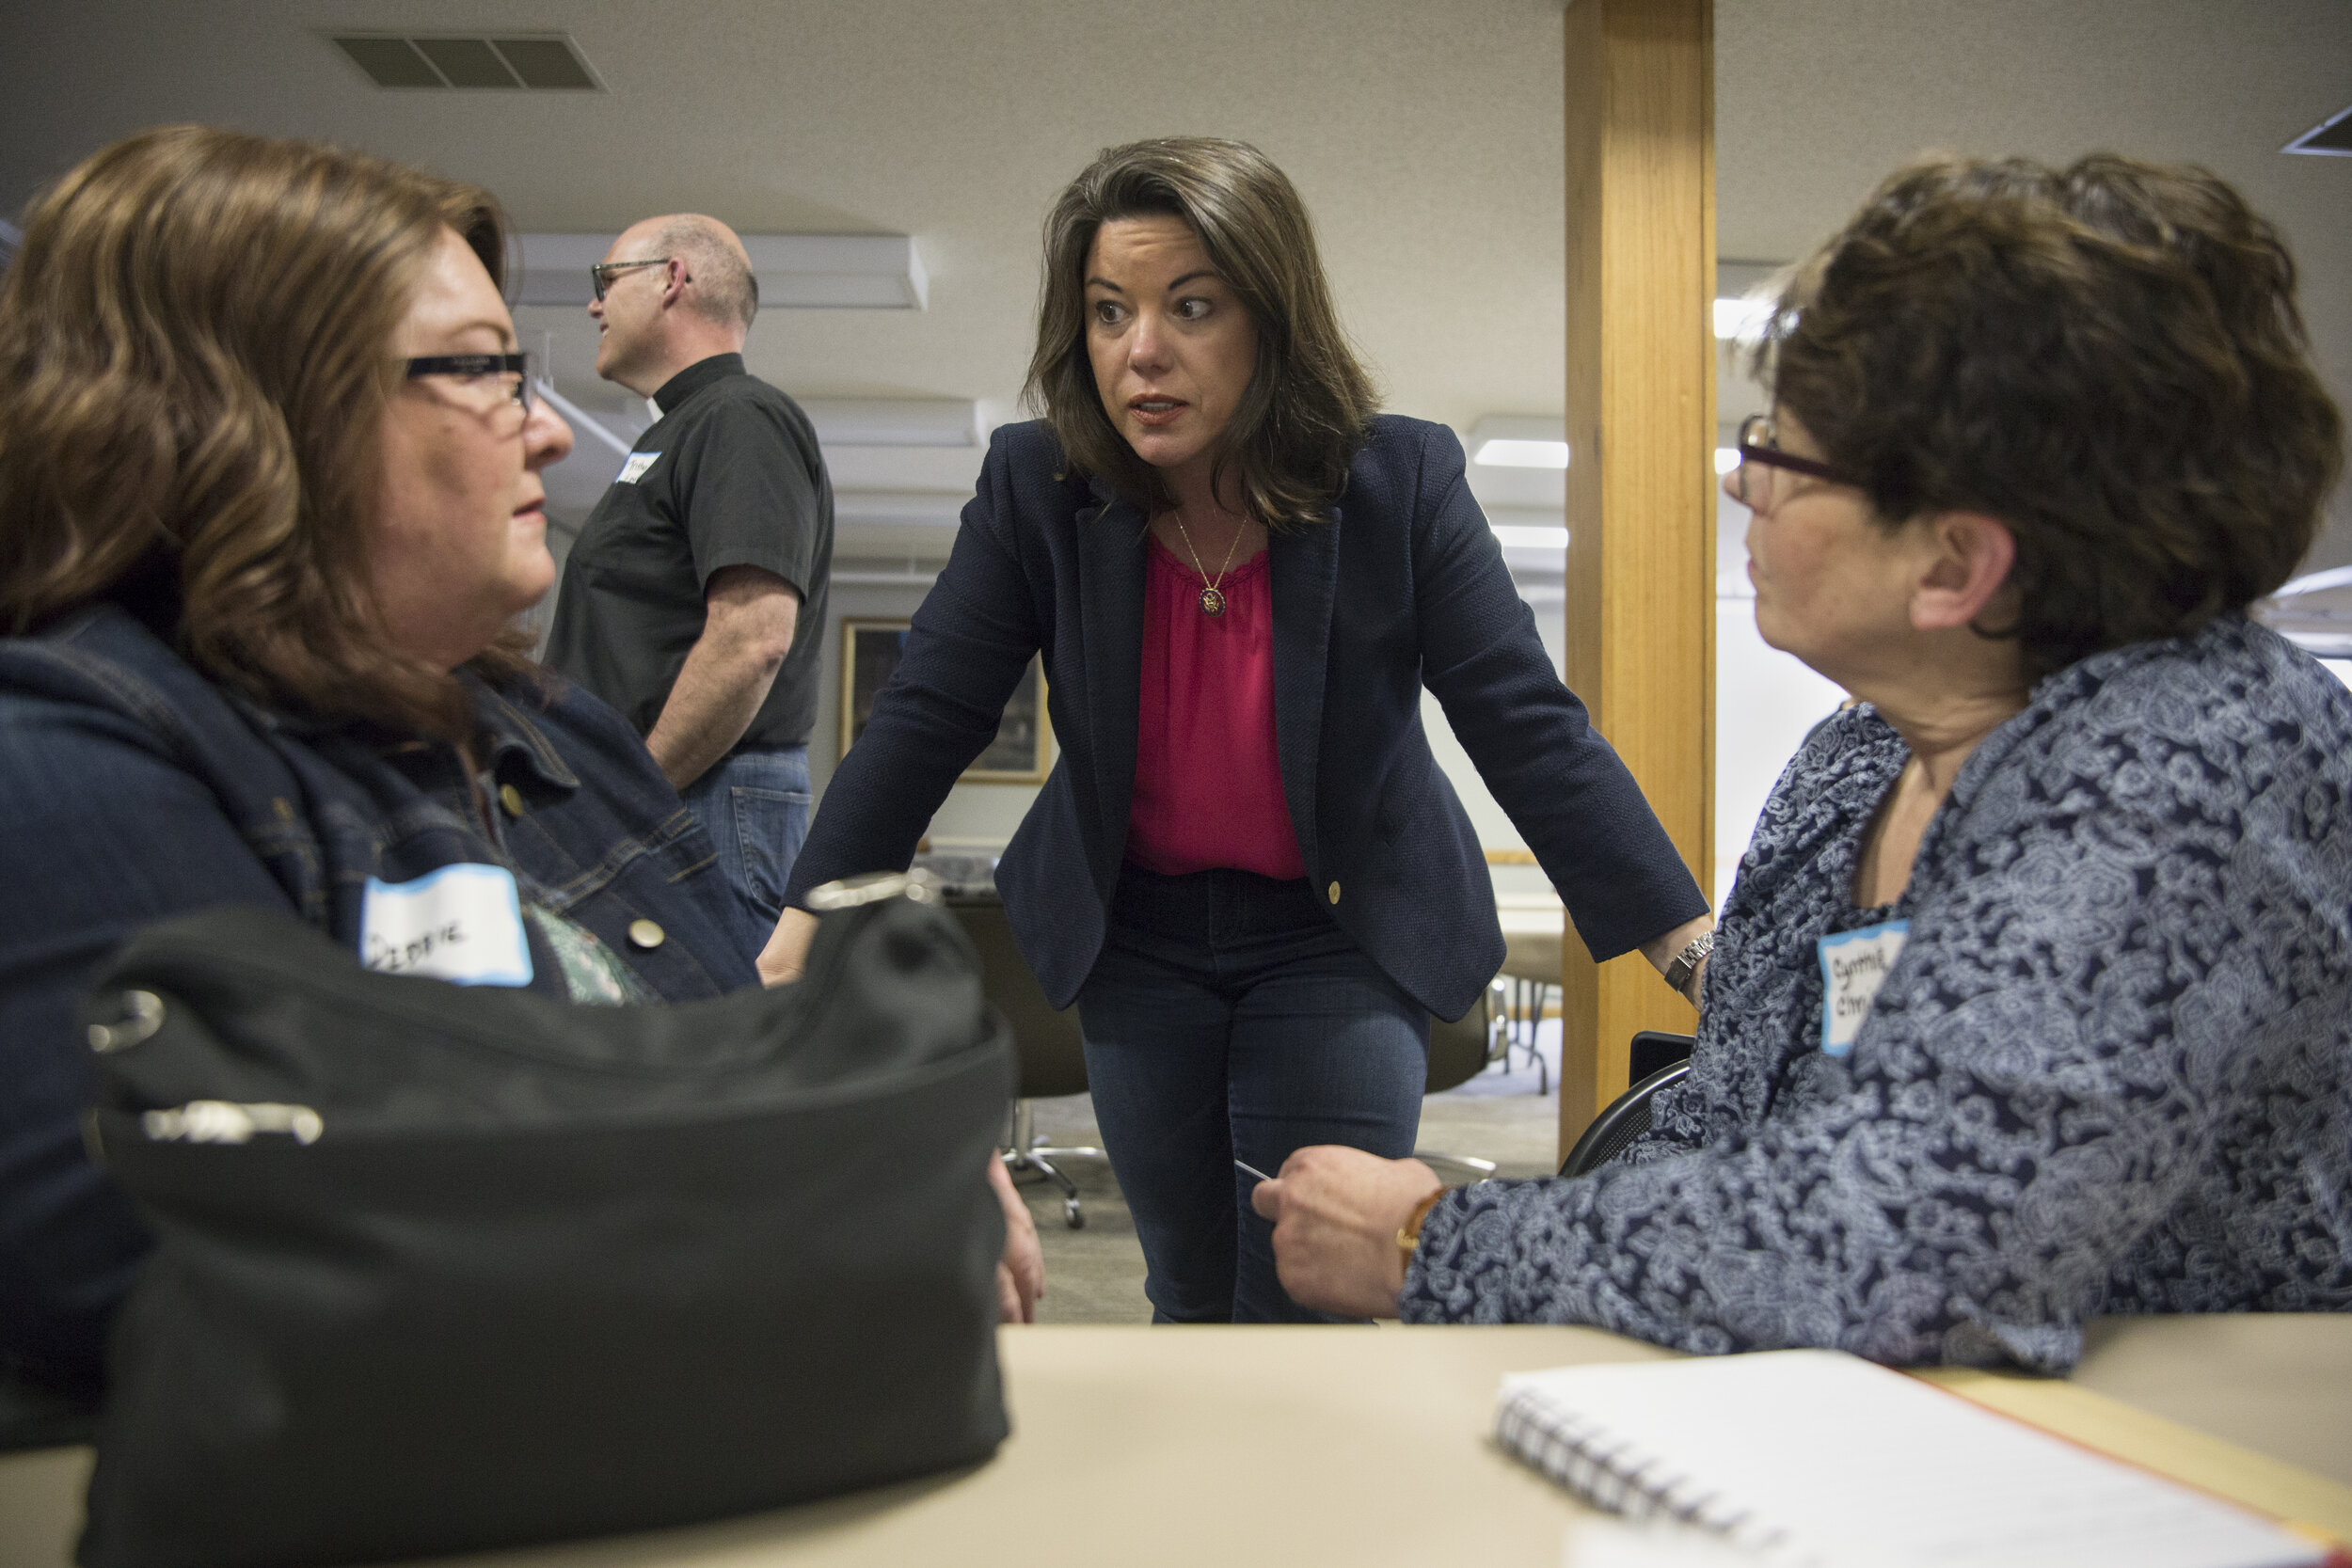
(1614, 1476)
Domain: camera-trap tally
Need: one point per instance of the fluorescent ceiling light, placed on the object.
(1519, 441)
(1515, 538)
(2330, 138)
(894, 421)
(2330, 581)
(1744, 317)
(2315, 611)
(873, 272)
(581, 422)
(1726, 459)
(1524, 454)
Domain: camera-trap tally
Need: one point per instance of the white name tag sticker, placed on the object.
(1853, 965)
(634, 469)
(463, 923)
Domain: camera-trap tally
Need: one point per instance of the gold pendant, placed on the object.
(1211, 602)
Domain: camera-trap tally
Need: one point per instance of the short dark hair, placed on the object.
(196, 335)
(1300, 422)
(2108, 357)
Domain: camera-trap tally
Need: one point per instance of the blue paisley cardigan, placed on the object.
(2111, 1071)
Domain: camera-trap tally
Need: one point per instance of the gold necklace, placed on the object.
(1212, 595)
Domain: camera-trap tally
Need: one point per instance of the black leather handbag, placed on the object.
(442, 1268)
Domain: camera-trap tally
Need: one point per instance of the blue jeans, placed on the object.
(754, 803)
(1227, 1018)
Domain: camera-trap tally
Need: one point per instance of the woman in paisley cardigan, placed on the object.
(2033, 999)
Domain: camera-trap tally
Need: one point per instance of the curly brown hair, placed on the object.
(1299, 425)
(2108, 357)
(195, 333)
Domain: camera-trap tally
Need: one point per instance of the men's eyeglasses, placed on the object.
(1760, 454)
(601, 273)
(475, 368)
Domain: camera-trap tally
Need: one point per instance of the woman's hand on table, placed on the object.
(1336, 1213)
(781, 962)
(1021, 1272)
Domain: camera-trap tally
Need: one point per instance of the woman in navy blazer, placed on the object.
(1203, 408)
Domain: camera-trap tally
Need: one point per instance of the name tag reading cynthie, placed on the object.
(634, 469)
(1853, 965)
(463, 923)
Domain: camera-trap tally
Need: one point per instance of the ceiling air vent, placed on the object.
(549, 60)
(2330, 138)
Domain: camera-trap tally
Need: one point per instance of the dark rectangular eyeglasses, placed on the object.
(472, 367)
(601, 273)
(1759, 454)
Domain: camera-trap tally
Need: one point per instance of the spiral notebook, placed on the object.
(1819, 1458)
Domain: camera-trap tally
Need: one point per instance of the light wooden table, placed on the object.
(1533, 928)
(1212, 1446)
(1531, 933)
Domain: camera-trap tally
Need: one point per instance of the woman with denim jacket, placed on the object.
(269, 508)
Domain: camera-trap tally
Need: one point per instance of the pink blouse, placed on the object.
(1208, 776)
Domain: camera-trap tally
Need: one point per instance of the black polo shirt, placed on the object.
(728, 476)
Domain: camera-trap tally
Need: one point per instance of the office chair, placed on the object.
(1529, 999)
(1653, 1049)
(1053, 1059)
(1625, 1119)
(1459, 1052)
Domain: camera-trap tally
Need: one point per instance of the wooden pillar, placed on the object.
(1641, 426)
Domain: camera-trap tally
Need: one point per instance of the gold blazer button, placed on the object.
(1334, 891)
(512, 798)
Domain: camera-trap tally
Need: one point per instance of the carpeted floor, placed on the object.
(1094, 1274)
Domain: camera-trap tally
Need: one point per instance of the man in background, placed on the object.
(694, 598)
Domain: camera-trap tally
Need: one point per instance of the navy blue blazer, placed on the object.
(1404, 586)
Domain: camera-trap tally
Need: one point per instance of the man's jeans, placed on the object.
(754, 803)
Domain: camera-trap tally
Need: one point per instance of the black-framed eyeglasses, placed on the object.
(601, 273)
(1760, 454)
(472, 367)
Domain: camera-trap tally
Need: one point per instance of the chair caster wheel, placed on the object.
(1072, 1216)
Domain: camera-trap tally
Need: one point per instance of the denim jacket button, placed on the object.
(1333, 891)
(645, 934)
(512, 798)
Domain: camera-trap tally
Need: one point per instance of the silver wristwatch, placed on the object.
(1687, 962)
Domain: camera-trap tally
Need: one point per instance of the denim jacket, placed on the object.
(133, 788)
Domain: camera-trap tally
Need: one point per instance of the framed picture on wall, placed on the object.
(1022, 751)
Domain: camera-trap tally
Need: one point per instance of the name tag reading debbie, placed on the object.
(463, 923)
(1853, 965)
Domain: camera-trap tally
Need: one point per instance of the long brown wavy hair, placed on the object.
(2108, 357)
(1302, 419)
(194, 336)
